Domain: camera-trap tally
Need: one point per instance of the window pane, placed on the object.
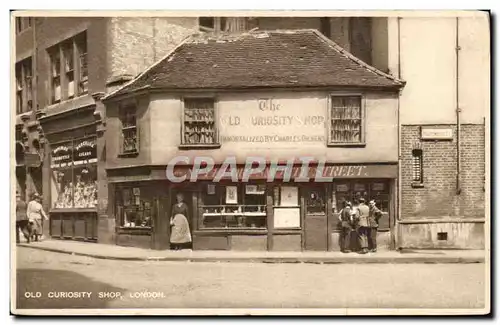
(199, 121)
(248, 211)
(417, 165)
(315, 201)
(55, 62)
(62, 189)
(134, 208)
(346, 120)
(81, 43)
(130, 140)
(19, 24)
(68, 57)
(85, 186)
(207, 22)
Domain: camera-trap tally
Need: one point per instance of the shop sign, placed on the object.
(275, 122)
(85, 152)
(312, 172)
(428, 133)
(61, 156)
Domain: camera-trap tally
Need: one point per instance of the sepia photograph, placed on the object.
(250, 162)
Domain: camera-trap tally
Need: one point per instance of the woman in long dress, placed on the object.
(180, 236)
(35, 214)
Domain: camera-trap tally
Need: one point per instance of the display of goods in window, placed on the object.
(74, 174)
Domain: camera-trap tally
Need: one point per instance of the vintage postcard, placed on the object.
(250, 162)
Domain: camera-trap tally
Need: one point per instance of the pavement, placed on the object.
(114, 252)
(51, 283)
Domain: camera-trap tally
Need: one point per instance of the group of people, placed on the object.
(29, 218)
(362, 220)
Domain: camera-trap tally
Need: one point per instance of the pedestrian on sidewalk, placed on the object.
(374, 216)
(346, 219)
(180, 235)
(36, 215)
(22, 222)
(362, 225)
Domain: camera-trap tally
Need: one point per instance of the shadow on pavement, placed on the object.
(39, 288)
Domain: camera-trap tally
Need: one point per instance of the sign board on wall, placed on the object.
(273, 121)
(286, 217)
(335, 171)
(436, 133)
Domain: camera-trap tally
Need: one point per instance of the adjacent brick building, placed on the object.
(443, 111)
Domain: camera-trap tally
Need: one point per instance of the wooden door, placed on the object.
(316, 219)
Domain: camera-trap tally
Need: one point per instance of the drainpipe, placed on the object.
(399, 191)
(458, 110)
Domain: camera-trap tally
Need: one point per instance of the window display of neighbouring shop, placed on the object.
(233, 206)
(74, 174)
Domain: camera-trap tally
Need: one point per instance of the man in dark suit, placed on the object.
(22, 223)
(373, 218)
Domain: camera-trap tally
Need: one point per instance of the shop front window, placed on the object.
(352, 190)
(133, 207)
(233, 206)
(74, 174)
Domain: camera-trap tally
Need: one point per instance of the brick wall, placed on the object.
(438, 197)
(135, 43)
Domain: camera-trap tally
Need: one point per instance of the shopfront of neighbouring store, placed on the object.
(71, 189)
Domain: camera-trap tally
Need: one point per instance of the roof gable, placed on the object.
(289, 58)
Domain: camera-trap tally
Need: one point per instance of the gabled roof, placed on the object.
(281, 58)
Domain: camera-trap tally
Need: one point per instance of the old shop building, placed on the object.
(64, 65)
(276, 94)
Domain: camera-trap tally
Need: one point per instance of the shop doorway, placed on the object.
(316, 218)
(188, 199)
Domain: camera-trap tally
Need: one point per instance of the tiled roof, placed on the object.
(287, 58)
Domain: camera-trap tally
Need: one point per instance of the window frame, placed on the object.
(216, 144)
(24, 85)
(219, 24)
(362, 142)
(122, 107)
(22, 24)
(73, 43)
(119, 207)
(241, 205)
(71, 168)
(417, 153)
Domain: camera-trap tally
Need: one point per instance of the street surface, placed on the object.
(44, 277)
